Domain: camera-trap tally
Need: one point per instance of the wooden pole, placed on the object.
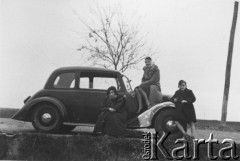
(228, 66)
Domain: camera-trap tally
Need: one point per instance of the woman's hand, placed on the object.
(184, 101)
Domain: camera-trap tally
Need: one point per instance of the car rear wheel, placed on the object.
(164, 122)
(46, 118)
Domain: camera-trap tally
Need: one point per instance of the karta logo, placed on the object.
(182, 147)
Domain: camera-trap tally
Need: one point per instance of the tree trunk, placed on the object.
(115, 66)
(228, 66)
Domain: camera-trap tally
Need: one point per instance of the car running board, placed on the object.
(78, 124)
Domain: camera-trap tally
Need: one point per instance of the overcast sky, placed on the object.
(190, 36)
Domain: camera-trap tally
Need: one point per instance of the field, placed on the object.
(19, 140)
(7, 112)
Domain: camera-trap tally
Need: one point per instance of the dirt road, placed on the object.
(10, 126)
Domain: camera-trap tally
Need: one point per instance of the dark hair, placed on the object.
(113, 89)
(148, 58)
(181, 82)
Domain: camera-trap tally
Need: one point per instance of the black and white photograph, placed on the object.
(119, 80)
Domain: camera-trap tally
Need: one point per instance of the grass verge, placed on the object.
(87, 148)
(78, 147)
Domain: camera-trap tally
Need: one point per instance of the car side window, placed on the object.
(98, 81)
(104, 83)
(84, 82)
(65, 80)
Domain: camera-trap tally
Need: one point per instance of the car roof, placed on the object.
(85, 68)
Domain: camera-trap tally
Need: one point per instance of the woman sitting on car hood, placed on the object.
(112, 119)
(149, 89)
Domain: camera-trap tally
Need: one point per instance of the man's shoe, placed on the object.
(187, 137)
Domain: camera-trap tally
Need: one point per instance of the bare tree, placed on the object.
(115, 44)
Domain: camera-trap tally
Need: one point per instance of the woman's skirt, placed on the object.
(145, 88)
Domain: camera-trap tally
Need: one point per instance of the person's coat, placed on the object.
(185, 94)
(185, 111)
(155, 96)
(116, 121)
(151, 75)
(117, 104)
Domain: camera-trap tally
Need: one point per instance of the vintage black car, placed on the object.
(72, 96)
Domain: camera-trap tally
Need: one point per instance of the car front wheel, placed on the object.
(46, 118)
(165, 122)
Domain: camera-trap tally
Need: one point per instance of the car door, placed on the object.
(92, 92)
(64, 88)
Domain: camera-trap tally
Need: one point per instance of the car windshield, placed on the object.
(127, 83)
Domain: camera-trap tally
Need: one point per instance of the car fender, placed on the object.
(145, 118)
(23, 114)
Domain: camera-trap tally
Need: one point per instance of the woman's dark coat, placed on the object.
(116, 104)
(184, 111)
(151, 76)
(112, 123)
